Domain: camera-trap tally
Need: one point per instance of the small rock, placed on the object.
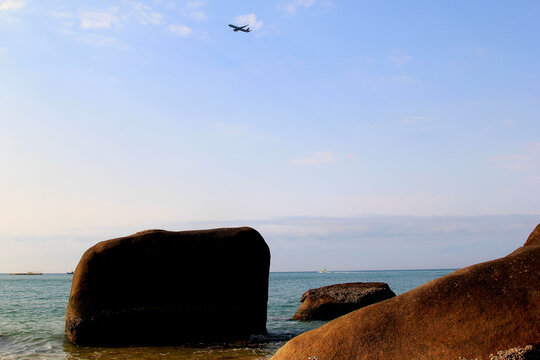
(330, 302)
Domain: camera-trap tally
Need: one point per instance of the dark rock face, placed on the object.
(330, 302)
(470, 313)
(162, 287)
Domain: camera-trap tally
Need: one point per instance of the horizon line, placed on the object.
(284, 271)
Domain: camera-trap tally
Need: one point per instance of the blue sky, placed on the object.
(116, 116)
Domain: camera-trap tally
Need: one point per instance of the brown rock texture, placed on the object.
(469, 313)
(330, 302)
(163, 287)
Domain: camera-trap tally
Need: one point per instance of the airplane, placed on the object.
(239, 28)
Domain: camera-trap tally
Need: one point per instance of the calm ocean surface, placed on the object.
(32, 310)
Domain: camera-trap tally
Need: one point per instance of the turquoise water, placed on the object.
(32, 310)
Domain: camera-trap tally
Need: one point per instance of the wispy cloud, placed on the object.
(130, 11)
(194, 5)
(103, 41)
(529, 159)
(65, 21)
(292, 6)
(411, 242)
(250, 19)
(320, 157)
(194, 10)
(99, 19)
(144, 14)
(62, 14)
(399, 59)
(355, 243)
(180, 30)
(198, 15)
(11, 5)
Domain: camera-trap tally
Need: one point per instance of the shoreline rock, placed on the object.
(160, 287)
(330, 302)
(472, 312)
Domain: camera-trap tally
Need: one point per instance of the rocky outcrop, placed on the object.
(330, 302)
(469, 313)
(162, 287)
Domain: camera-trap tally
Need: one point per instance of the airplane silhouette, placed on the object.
(240, 28)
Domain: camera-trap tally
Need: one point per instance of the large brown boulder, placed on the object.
(162, 287)
(470, 313)
(330, 302)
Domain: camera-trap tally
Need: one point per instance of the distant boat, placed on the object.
(70, 273)
(323, 271)
(28, 273)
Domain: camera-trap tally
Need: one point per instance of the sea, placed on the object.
(32, 311)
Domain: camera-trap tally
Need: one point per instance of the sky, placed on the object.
(352, 135)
